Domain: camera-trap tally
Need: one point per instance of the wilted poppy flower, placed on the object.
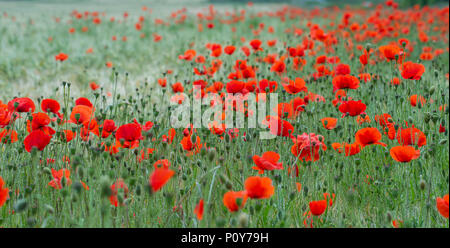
(412, 70)
(160, 177)
(368, 136)
(118, 185)
(231, 198)
(198, 210)
(352, 108)
(317, 208)
(4, 193)
(345, 82)
(259, 187)
(307, 146)
(441, 204)
(58, 177)
(329, 122)
(268, 161)
(38, 139)
(404, 154)
(24, 104)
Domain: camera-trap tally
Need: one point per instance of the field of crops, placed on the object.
(120, 114)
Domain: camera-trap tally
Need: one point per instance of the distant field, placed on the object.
(358, 136)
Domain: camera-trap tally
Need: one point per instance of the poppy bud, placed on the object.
(389, 216)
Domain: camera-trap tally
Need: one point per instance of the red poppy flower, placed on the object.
(307, 146)
(411, 136)
(81, 114)
(8, 136)
(412, 70)
(390, 51)
(108, 127)
(58, 177)
(4, 193)
(441, 204)
(342, 69)
(229, 49)
(160, 177)
(230, 200)
(278, 126)
(5, 115)
(61, 57)
(50, 105)
(352, 108)
(198, 210)
(83, 101)
(350, 149)
(413, 100)
(119, 184)
(130, 134)
(345, 82)
(165, 163)
(24, 104)
(368, 136)
(36, 139)
(329, 122)
(317, 208)
(259, 187)
(296, 86)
